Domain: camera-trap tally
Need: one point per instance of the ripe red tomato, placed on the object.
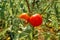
(35, 20)
(24, 16)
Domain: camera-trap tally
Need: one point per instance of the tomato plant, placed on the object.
(17, 27)
(36, 20)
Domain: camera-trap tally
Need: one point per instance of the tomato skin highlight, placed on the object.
(24, 16)
(35, 20)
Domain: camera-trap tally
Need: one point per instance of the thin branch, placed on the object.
(28, 6)
(33, 3)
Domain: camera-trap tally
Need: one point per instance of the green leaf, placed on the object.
(47, 36)
(23, 34)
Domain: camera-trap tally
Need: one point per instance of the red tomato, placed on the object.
(24, 16)
(35, 20)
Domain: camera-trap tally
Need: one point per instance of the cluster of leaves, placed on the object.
(13, 28)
